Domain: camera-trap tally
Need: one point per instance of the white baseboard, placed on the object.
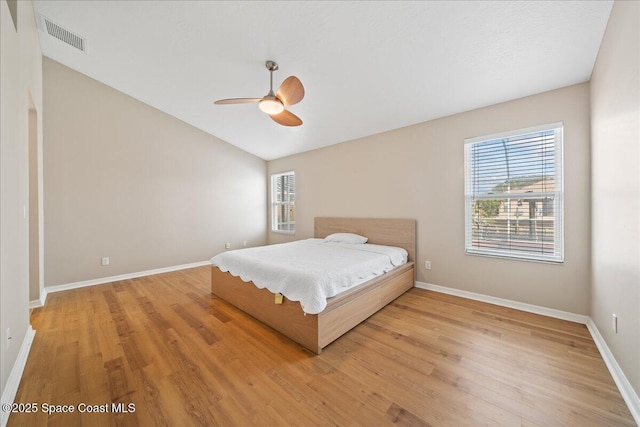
(13, 382)
(39, 302)
(626, 390)
(551, 312)
(100, 281)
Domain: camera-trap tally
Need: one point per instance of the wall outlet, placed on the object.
(227, 245)
(105, 260)
(614, 323)
(244, 243)
(427, 265)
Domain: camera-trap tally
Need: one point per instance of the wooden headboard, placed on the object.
(381, 231)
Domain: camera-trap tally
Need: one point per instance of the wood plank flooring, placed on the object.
(169, 353)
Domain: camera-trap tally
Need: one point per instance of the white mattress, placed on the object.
(312, 270)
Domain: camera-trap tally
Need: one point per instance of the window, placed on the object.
(283, 203)
(513, 194)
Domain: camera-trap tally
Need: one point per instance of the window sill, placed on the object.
(514, 257)
(289, 233)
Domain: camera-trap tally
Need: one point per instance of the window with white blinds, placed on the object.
(283, 203)
(514, 194)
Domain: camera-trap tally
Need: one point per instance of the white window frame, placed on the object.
(276, 205)
(558, 193)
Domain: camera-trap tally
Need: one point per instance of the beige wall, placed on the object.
(417, 172)
(126, 181)
(615, 144)
(20, 80)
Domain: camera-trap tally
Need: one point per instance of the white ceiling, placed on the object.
(367, 67)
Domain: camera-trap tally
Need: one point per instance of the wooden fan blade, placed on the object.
(286, 118)
(291, 91)
(237, 101)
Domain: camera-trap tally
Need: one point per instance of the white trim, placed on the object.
(512, 133)
(513, 256)
(13, 382)
(626, 389)
(551, 312)
(274, 204)
(624, 386)
(39, 302)
(290, 233)
(471, 195)
(100, 281)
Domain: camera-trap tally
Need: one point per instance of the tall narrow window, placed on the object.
(514, 194)
(283, 203)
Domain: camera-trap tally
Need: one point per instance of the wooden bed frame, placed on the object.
(344, 311)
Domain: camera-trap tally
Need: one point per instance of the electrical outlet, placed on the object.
(105, 260)
(227, 245)
(614, 323)
(427, 265)
(244, 243)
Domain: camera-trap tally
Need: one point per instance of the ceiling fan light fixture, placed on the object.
(290, 92)
(271, 106)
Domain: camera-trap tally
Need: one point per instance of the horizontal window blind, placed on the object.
(283, 198)
(513, 194)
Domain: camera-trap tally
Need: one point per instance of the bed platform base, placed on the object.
(344, 311)
(314, 331)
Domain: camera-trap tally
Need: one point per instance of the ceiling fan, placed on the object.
(290, 92)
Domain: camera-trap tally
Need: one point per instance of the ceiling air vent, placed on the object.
(62, 34)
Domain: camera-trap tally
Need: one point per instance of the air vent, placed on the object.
(62, 34)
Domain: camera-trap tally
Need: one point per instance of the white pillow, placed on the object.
(346, 238)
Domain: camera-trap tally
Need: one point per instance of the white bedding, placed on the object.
(312, 270)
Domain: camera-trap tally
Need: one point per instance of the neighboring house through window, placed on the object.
(283, 203)
(514, 194)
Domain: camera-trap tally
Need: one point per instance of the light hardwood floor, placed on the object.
(181, 357)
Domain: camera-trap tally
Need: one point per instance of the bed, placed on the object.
(343, 311)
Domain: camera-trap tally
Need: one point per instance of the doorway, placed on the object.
(36, 276)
